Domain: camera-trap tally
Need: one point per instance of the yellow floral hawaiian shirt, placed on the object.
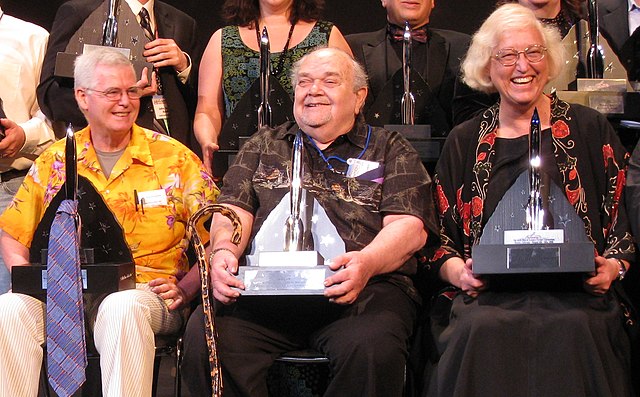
(154, 166)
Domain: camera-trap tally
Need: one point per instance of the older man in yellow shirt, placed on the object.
(124, 163)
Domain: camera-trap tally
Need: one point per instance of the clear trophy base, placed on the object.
(285, 273)
(419, 136)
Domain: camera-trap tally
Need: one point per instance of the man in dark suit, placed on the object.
(619, 20)
(435, 63)
(172, 52)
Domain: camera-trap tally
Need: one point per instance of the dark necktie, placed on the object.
(145, 23)
(396, 33)
(66, 347)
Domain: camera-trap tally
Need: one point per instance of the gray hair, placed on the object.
(85, 65)
(504, 20)
(360, 79)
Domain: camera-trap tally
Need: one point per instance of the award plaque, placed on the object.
(284, 280)
(295, 268)
(534, 228)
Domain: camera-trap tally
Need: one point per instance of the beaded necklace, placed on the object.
(285, 50)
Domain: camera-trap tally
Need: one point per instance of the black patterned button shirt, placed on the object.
(260, 178)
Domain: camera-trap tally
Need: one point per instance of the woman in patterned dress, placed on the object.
(230, 64)
(532, 339)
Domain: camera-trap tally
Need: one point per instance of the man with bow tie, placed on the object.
(435, 64)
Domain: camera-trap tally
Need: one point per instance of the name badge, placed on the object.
(358, 167)
(153, 198)
(160, 107)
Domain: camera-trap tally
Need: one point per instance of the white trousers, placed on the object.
(124, 330)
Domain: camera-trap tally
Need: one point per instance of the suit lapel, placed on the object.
(375, 55)
(164, 23)
(617, 24)
(436, 60)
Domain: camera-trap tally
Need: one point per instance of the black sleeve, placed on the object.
(633, 191)
(55, 95)
(468, 103)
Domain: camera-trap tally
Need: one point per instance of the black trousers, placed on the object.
(366, 342)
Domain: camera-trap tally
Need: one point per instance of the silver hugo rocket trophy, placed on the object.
(534, 228)
(595, 57)
(535, 212)
(110, 27)
(408, 102)
(418, 134)
(295, 268)
(294, 226)
(112, 24)
(264, 110)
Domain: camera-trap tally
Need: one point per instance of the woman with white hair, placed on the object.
(533, 340)
(569, 17)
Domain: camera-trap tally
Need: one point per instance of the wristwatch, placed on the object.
(622, 270)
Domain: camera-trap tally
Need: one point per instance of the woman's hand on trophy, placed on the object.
(460, 274)
(604, 276)
(352, 275)
(469, 283)
(224, 267)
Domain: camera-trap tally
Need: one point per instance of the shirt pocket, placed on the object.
(355, 191)
(156, 230)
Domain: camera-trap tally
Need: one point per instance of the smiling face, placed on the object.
(521, 85)
(417, 12)
(325, 102)
(106, 116)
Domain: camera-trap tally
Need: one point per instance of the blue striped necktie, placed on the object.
(66, 347)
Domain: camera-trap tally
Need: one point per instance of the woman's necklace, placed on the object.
(276, 71)
(560, 22)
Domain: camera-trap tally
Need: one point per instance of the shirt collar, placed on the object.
(632, 4)
(357, 135)
(136, 6)
(138, 146)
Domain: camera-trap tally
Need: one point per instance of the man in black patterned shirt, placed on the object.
(383, 217)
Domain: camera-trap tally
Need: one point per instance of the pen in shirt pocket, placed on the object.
(137, 201)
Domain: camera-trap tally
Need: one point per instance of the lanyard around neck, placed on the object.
(338, 158)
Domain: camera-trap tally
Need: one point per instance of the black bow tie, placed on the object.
(397, 33)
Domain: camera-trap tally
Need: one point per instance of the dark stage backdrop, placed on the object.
(351, 16)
